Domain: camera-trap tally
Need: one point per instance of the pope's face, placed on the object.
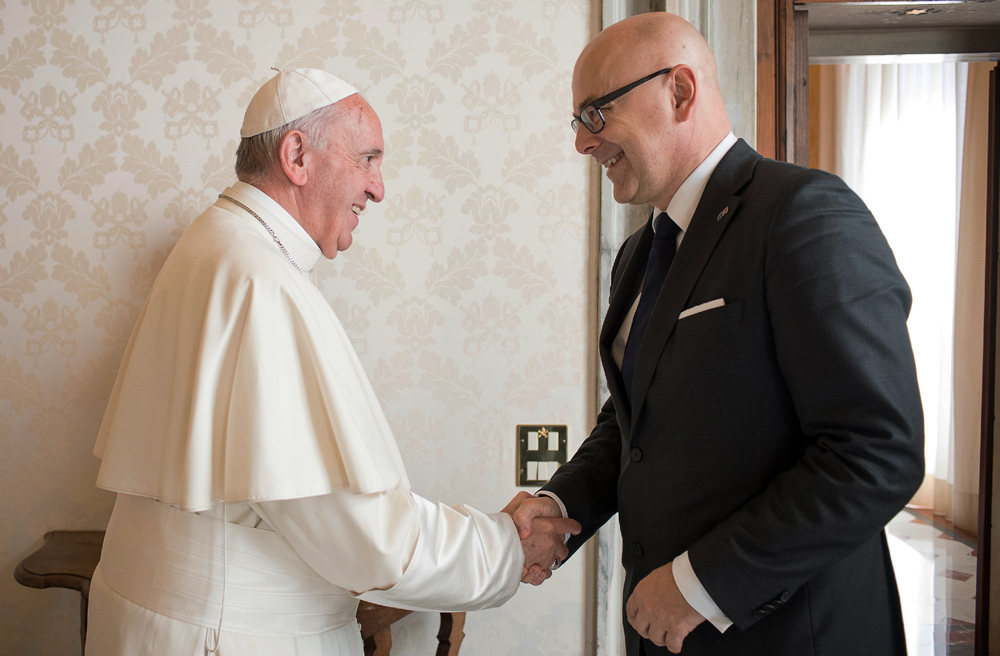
(636, 142)
(344, 175)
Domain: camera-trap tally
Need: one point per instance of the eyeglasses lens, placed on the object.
(592, 118)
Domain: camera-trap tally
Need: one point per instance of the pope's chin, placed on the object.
(330, 250)
(343, 243)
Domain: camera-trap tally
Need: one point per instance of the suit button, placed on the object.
(636, 454)
(785, 594)
(637, 550)
(759, 613)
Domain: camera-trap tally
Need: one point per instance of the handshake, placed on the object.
(656, 609)
(542, 530)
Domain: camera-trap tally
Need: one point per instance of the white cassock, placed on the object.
(259, 486)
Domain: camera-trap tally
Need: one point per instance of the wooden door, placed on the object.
(987, 609)
(783, 81)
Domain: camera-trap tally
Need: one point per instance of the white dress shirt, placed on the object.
(681, 210)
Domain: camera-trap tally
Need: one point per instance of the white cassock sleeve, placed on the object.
(398, 549)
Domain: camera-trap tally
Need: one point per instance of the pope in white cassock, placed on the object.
(260, 490)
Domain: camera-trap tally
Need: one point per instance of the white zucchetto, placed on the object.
(291, 94)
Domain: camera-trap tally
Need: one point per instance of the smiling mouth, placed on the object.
(357, 210)
(611, 161)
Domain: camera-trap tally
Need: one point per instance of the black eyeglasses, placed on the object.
(591, 116)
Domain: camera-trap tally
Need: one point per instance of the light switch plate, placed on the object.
(541, 448)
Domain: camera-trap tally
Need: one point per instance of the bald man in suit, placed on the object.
(764, 421)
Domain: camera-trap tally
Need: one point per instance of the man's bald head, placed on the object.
(663, 128)
(646, 43)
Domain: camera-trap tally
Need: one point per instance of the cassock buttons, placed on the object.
(637, 550)
(636, 454)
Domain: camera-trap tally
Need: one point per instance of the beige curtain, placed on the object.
(863, 118)
(961, 500)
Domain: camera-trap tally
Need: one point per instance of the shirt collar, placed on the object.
(293, 236)
(685, 201)
(273, 207)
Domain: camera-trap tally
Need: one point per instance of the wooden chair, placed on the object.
(375, 621)
(68, 559)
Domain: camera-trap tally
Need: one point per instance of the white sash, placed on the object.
(172, 563)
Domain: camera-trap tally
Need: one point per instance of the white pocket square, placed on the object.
(711, 305)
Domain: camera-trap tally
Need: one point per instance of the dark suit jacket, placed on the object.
(774, 437)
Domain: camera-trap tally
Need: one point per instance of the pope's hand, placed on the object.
(659, 612)
(545, 549)
(542, 530)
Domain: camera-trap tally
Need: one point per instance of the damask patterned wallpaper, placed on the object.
(465, 293)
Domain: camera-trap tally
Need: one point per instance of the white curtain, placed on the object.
(897, 135)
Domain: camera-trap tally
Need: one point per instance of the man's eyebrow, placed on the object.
(373, 151)
(587, 101)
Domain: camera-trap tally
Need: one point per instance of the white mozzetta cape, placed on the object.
(239, 383)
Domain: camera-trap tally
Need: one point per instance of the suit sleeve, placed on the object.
(587, 484)
(838, 308)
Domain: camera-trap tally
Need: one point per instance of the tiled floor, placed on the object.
(936, 572)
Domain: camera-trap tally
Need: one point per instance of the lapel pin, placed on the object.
(722, 213)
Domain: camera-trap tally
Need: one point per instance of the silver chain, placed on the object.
(266, 227)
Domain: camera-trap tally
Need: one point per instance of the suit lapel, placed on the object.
(715, 210)
(625, 287)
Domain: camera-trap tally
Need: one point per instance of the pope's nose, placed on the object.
(376, 188)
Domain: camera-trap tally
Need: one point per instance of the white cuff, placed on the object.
(554, 497)
(562, 508)
(696, 595)
(463, 560)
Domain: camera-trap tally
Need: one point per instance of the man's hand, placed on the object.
(542, 531)
(659, 612)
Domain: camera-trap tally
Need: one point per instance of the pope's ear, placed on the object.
(291, 157)
(684, 89)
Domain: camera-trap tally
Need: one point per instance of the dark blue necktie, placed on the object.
(661, 255)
